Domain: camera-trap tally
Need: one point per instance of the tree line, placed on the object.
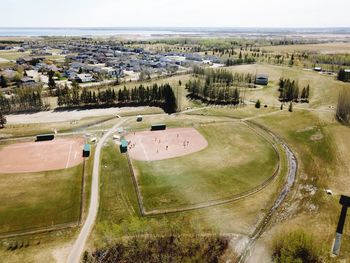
(156, 95)
(23, 99)
(290, 91)
(224, 77)
(174, 248)
(208, 93)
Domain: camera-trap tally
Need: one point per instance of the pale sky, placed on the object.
(175, 13)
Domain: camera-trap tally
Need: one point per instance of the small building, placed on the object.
(26, 81)
(261, 79)
(83, 78)
(45, 137)
(86, 150)
(123, 146)
(158, 127)
(139, 118)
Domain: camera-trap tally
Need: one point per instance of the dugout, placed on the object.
(45, 137)
(123, 146)
(139, 118)
(158, 127)
(86, 150)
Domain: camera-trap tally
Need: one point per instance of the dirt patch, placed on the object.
(41, 156)
(310, 128)
(161, 145)
(317, 136)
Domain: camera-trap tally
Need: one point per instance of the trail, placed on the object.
(291, 177)
(79, 244)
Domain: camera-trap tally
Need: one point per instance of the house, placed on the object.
(33, 74)
(83, 78)
(261, 79)
(26, 81)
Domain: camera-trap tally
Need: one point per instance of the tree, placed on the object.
(291, 107)
(343, 107)
(3, 120)
(258, 104)
(3, 81)
(169, 99)
(52, 83)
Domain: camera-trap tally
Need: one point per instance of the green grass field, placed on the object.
(236, 160)
(43, 199)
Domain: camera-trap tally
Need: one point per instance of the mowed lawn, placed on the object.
(236, 160)
(42, 199)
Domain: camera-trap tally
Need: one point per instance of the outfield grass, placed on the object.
(236, 160)
(43, 199)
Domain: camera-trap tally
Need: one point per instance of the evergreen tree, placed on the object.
(3, 81)
(258, 104)
(3, 120)
(169, 99)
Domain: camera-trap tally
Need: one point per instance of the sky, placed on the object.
(174, 13)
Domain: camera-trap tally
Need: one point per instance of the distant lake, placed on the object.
(153, 31)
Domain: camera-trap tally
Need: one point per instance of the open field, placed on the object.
(328, 48)
(29, 157)
(324, 89)
(12, 55)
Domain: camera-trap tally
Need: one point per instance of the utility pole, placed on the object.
(345, 202)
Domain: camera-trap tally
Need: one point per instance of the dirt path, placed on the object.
(292, 172)
(79, 244)
(68, 115)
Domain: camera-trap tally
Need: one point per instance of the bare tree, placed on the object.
(343, 108)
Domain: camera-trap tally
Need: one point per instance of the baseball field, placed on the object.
(182, 167)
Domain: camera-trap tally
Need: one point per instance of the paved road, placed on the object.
(78, 247)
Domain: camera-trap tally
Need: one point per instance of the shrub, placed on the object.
(296, 246)
(258, 104)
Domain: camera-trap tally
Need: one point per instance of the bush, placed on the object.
(172, 248)
(258, 104)
(296, 246)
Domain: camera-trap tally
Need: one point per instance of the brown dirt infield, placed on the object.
(41, 156)
(161, 145)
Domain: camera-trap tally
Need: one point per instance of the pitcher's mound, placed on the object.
(161, 145)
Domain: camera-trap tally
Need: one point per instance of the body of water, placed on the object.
(115, 31)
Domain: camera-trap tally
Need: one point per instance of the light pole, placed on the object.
(345, 202)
